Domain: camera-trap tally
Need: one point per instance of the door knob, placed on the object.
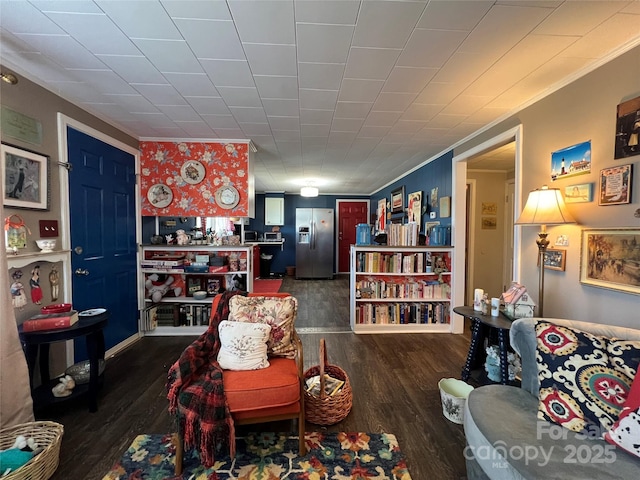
(81, 271)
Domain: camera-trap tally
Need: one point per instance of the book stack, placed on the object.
(50, 321)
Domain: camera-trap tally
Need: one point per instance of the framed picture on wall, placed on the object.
(382, 215)
(397, 200)
(555, 259)
(615, 185)
(628, 129)
(26, 178)
(570, 161)
(415, 207)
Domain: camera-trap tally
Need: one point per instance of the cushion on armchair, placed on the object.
(584, 378)
(243, 346)
(279, 313)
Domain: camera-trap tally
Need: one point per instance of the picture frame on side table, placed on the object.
(26, 178)
(608, 259)
(397, 200)
(615, 185)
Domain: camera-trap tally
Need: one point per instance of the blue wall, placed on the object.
(437, 173)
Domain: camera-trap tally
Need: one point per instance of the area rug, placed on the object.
(271, 456)
(267, 285)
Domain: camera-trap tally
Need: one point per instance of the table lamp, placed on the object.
(544, 206)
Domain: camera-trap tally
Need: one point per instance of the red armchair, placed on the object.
(250, 396)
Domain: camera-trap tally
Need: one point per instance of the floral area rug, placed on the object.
(271, 456)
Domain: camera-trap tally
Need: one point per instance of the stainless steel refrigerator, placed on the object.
(314, 242)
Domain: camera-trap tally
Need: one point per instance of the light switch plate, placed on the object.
(48, 228)
(432, 214)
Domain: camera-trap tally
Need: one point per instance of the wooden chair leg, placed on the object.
(179, 454)
(302, 445)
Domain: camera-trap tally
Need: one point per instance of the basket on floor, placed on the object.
(325, 409)
(47, 435)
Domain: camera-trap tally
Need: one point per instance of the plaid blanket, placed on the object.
(196, 393)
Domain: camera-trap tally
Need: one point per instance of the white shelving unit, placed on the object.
(244, 252)
(392, 291)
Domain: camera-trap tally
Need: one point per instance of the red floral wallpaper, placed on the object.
(182, 178)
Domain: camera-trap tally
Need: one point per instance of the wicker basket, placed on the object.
(47, 435)
(327, 409)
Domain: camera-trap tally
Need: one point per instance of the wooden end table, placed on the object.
(482, 326)
(92, 328)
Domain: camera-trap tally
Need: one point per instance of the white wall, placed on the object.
(584, 110)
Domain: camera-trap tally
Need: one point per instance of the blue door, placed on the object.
(102, 212)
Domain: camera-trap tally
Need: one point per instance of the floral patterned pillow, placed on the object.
(279, 313)
(243, 346)
(584, 379)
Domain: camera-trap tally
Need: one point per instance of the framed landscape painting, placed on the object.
(610, 258)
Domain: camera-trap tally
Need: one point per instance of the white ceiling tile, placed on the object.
(284, 123)
(230, 133)
(401, 138)
(371, 63)
(632, 7)
(466, 105)
(322, 76)
(393, 102)
(233, 73)
(421, 112)
(196, 129)
(106, 82)
(277, 86)
(352, 109)
(215, 39)
(320, 131)
(486, 115)
(127, 16)
(281, 107)
(571, 18)
(220, 121)
(96, 32)
(406, 126)
(169, 55)
(75, 6)
(192, 84)
(439, 93)
(249, 114)
(289, 148)
(249, 17)
(133, 69)
(327, 11)
(160, 94)
(240, 96)
(446, 121)
(386, 24)
(347, 124)
(430, 48)
(197, 9)
(180, 113)
(23, 17)
(271, 59)
(356, 90)
(605, 37)
(342, 137)
(458, 15)
(318, 99)
(68, 52)
(463, 68)
(323, 43)
(251, 129)
(382, 119)
(135, 103)
(316, 116)
(208, 105)
(408, 79)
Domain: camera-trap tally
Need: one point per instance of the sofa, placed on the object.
(506, 439)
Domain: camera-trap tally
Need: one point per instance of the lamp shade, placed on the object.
(309, 191)
(545, 206)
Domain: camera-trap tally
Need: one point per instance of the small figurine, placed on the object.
(169, 239)
(182, 237)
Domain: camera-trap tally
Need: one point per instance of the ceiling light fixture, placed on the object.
(9, 78)
(309, 191)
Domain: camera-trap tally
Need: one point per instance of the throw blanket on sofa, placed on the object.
(196, 393)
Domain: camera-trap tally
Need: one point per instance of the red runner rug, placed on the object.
(261, 285)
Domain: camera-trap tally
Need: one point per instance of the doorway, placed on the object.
(350, 214)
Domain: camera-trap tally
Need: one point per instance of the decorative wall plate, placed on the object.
(192, 171)
(227, 196)
(160, 195)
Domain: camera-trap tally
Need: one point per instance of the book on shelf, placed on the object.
(50, 321)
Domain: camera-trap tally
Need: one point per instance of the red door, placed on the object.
(350, 214)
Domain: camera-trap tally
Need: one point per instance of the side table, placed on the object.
(92, 328)
(481, 326)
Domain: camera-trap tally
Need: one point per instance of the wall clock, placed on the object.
(227, 196)
(192, 172)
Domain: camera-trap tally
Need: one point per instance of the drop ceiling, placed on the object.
(348, 95)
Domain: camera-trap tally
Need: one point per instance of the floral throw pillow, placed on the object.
(243, 346)
(279, 313)
(625, 433)
(584, 379)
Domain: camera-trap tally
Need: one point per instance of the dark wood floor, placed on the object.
(394, 380)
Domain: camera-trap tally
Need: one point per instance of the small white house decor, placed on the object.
(492, 364)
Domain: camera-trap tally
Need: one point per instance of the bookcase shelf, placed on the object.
(183, 314)
(401, 289)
